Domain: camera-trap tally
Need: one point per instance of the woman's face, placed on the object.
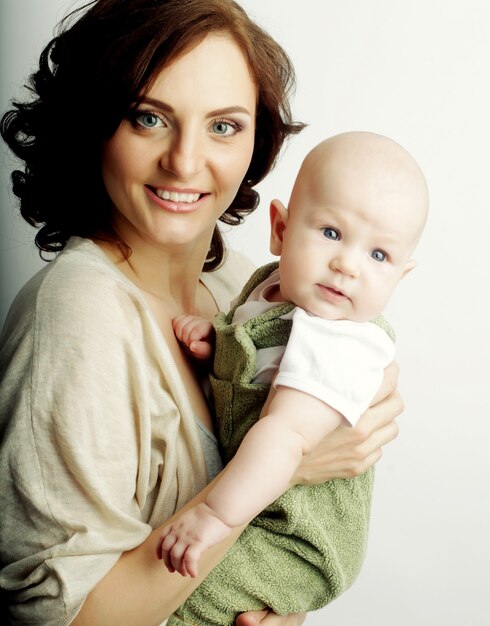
(175, 164)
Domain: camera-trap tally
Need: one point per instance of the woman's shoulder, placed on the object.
(80, 286)
(82, 263)
(227, 281)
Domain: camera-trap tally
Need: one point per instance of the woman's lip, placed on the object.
(176, 189)
(175, 206)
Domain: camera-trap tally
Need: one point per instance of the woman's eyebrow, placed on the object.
(229, 110)
(237, 108)
(156, 103)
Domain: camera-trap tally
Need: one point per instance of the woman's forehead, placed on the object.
(214, 73)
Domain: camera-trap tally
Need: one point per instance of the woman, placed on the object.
(150, 121)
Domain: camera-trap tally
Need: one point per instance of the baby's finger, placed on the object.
(199, 329)
(169, 541)
(163, 535)
(178, 324)
(191, 559)
(183, 326)
(200, 349)
(176, 555)
(186, 326)
(167, 546)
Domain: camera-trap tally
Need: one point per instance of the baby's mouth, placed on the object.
(336, 291)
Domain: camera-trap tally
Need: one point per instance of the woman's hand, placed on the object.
(348, 452)
(268, 618)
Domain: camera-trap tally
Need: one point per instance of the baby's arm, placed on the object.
(196, 333)
(259, 473)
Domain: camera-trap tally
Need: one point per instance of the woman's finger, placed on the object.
(388, 384)
(294, 619)
(378, 416)
(269, 618)
(251, 618)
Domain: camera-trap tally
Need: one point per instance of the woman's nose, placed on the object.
(183, 156)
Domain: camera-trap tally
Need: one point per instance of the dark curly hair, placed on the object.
(91, 74)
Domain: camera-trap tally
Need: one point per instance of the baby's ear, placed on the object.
(409, 267)
(278, 218)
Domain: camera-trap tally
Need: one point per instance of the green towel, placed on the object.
(308, 546)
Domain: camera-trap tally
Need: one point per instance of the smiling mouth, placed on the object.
(177, 197)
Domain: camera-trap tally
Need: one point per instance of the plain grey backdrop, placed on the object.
(418, 71)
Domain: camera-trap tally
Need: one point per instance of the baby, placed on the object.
(356, 213)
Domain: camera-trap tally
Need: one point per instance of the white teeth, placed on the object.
(174, 196)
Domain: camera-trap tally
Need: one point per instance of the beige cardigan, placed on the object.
(99, 443)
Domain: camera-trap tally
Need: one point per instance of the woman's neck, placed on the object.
(168, 277)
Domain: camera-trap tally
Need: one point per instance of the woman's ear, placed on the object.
(278, 218)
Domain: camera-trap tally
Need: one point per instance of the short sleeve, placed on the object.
(338, 361)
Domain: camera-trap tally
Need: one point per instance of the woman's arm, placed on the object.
(140, 590)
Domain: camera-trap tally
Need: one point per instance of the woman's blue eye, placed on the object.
(331, 233)
(148, 120)
(224, 128)
(378, 255)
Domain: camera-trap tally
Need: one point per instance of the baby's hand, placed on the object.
(196, 333)
(185, 540)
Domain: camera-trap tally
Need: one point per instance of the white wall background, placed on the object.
(418, 71)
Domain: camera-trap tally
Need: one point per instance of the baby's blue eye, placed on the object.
(331, 233)
(378, 255)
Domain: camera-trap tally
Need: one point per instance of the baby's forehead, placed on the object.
(354, 152)
(363, 161)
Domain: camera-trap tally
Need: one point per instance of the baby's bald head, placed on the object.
(390, 170)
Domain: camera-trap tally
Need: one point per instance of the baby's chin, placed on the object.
(330, 312)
